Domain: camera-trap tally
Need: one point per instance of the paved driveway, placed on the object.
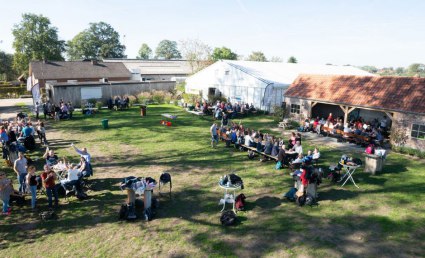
(8, 108)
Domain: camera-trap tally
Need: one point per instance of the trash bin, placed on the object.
(373, 163)
(143, 110)
(105, 123)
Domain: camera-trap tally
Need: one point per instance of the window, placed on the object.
(295, 109)
(418, 131)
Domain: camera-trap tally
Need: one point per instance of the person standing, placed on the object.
(6, 189)
(48, 178)
(31, 181)
(37, 109)
(20, 167)
(214, 135)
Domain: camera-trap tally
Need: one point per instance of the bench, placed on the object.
(347, 137)
(259, 152)
(198, 113)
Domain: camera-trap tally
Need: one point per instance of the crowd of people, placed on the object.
(118, 102)
(225, 110)
(287, 152)
(62, 110)
(374, 129)
(57, 174)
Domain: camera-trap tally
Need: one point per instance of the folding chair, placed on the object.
(164, 179)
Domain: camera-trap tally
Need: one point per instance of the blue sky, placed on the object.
(380, 33)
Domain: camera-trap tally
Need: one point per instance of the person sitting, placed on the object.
(259, 145)
(233, 136)
(84, 168)
(268, 147)
(298, 148)
(298, 138)
(27, 131)
(72, 180)
(252, 108)
(281, 156)
(249, 141)
(347, 128)
(299, 159)
(316, 154)
(50, 157)
(292, 140)
(308, 158)
(275, 149)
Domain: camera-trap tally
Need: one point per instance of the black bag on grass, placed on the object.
(300, 201)
(48, 215)
(228, 218)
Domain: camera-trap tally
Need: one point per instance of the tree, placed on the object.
(167, 49)
(276, 59)
(370, 69)
(6, 66)
(196, 52)
(223, 53)
(99, 41)
(257, 56)
(416, 69)
(35, 39)
(400, 71)
(144, 52)
(292, 60)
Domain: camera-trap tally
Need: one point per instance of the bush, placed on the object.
(92, 101)
(168, 96)
(144, 97)
(158, 97)
(212, 99)
(294, 124)
(279, 113)
(190, 98)
(408, 151)
(99, 105)
(132, 100)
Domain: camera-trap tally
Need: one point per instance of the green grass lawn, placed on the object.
(384, 218)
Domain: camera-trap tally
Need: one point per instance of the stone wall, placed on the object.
(304, 108)
(404, 121)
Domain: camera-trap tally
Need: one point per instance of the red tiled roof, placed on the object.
(389, 93)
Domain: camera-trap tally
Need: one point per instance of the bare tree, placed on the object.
(196, 52)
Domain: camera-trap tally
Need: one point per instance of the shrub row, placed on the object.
(409, 151)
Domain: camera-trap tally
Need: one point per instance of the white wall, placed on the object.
(232, 83)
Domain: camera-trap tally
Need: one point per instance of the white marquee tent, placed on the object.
(260, 83)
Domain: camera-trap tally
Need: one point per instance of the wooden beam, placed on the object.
(313, 104)
(390, 115)
(343, 108)
(351, 109)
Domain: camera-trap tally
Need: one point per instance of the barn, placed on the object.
(261, 83)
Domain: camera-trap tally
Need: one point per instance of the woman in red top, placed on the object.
(49, 181)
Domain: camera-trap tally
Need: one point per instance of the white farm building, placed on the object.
(260, 83)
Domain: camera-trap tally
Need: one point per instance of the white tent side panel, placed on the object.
(233, 84)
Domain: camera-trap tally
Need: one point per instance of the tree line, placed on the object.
(37, 39)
